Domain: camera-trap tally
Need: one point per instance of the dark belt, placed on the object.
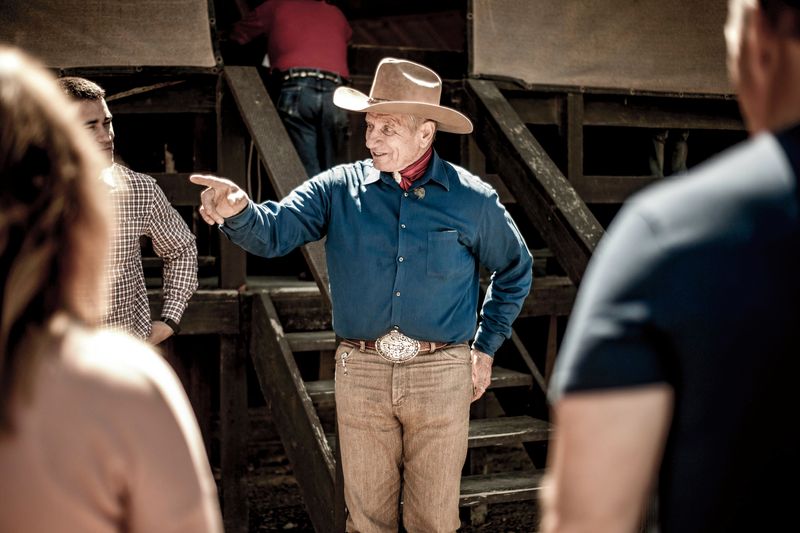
(313, 73)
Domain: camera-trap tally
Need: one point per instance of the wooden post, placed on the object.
(233, 431)
(231, 162)
(573, 121)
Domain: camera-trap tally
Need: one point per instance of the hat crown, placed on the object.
(399, 80)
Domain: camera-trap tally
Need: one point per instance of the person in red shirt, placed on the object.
(307, 53)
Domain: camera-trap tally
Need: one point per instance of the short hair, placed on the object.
(783, 16)
(54, 224)
(81, 88)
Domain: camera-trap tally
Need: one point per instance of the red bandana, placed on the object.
(415, 170)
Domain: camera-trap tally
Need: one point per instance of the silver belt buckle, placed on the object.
(396, 347)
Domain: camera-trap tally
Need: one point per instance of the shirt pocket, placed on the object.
(446, 256)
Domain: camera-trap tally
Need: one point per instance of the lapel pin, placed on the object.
(419, 193)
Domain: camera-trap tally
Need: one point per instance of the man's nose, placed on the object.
(372, 138)
(102, 135)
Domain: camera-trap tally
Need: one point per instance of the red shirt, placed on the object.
(300, 33)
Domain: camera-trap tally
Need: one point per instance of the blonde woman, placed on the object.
(96, 433)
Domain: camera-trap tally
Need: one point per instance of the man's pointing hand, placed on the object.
(221, 198)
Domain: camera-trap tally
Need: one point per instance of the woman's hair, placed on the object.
(53, 221)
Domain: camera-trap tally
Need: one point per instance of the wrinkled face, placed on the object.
(96, 118)
(396, 141)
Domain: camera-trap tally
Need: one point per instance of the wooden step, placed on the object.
(507, 430)
(321, 391)
(311, 341)
(499, 488)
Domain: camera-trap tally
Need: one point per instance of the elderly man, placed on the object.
(141, 209)
(406, 233)
(681, 356)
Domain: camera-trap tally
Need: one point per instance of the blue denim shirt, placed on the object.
(402, 259)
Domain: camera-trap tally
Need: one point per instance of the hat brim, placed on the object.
(448, 119)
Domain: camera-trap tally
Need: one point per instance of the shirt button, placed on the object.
(400, 259)
(405, 194)
(402, 226)
(397, 293)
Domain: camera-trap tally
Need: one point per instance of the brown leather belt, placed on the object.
(424, 346)
(397, 347)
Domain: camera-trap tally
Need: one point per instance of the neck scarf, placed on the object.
(406, 177)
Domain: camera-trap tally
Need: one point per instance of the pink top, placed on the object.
(300, 33)
(107, 443)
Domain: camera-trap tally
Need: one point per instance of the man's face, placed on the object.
(96, 118)
(393, 142)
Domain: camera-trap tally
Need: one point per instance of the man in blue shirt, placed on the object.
(406, 234)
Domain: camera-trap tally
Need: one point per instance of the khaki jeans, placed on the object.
(403, 425)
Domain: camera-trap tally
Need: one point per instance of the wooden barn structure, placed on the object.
(565, 96)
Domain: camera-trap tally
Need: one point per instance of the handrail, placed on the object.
(277, 153)
(550, 202)
(294, 414)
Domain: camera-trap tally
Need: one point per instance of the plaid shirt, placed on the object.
(142, 209)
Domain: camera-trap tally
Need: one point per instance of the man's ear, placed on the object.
(427, 130)
(764, 50)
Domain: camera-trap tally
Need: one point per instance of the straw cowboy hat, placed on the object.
(404, 87)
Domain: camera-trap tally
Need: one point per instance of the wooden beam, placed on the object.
(208, 312)
(610, 189)
(293, 414)
(181, 96)
(536, 108)
(664, 114)
(550, 202)
(232, 163)
(283, 165)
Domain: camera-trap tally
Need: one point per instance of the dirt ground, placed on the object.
(276, 503)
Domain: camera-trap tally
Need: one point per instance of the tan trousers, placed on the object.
(403, 425)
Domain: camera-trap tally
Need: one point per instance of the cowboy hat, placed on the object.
(404, 87)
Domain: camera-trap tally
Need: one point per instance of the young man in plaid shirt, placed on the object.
(141, 209)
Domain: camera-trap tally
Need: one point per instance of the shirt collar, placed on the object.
(436, 172)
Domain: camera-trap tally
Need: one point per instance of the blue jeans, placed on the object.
(317, 128)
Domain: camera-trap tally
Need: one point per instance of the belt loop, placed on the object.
(433, 347)
(362, 346)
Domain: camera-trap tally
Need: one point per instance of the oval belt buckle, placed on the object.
(396, 347)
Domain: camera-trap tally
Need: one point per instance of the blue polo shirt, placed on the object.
(401, 259)
(696, 285)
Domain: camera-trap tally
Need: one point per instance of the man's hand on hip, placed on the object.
(159, 332)
(221, 198)
(481, 373)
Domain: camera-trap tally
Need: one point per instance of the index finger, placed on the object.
(208, 181)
